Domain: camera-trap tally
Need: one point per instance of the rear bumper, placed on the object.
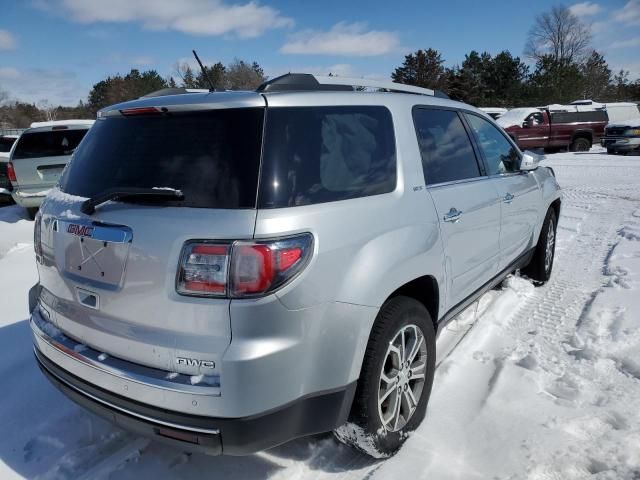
(146, 401)
(214, 436)
(30, 197)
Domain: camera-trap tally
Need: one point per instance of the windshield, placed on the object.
(213, 157)
(515, 117)
(48, 144)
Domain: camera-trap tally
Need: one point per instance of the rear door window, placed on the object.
(48, 144)
(324, 154)
(445, 147)
(212, 156)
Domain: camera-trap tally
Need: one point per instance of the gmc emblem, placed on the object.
(79, 230)
(194, 362)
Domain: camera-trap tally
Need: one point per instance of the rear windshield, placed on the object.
(48, 144)
(6, 143)
(324, 154)
(212, 156)
(311, 155)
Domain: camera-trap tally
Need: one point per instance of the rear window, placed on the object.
(212, 156)
(324, 154)
(6, 143)
(577, 117)
(48, 144)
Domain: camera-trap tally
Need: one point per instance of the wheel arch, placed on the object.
(425, 290)
(583, 133)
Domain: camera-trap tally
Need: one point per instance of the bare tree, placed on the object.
(4, 96)
(49, 111)
(559, 34)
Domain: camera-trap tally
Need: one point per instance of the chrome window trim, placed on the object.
(457, 182)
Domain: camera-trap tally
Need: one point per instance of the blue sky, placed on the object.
(57, 49)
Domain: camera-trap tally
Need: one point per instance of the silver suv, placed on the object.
(229, 271)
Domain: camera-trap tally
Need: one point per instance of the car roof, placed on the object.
(245, 99)
(293, 89)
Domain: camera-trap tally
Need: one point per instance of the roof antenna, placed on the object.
(204, 72)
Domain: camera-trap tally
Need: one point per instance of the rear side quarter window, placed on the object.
(324, 154)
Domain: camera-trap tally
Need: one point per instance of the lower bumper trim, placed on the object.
(318, 413)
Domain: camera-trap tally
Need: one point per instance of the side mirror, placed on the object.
(529, 161)
(527, 124)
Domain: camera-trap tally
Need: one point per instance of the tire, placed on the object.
(32, 212)
(540, 267)
(365, 429)
(580, 144)
(610, 151)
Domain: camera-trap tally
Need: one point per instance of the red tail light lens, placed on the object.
(242, 269)
(128, 112)
(11, 173)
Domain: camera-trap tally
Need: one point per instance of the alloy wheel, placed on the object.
(402, 378)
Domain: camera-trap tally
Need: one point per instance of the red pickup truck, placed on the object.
(551, 130)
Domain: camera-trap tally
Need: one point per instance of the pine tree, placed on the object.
(597, 76)
(422, 69)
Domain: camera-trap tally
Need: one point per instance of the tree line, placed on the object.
(563, 66)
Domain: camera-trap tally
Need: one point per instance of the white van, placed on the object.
(38, 157)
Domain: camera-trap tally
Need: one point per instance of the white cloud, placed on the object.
(59, 87)
(349, 39)
(7, 41)
(631, 42)
(8, 73)
(585, 9)
(194, 17)
(629, 14)
(142, 61)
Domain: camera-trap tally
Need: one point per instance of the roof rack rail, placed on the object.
(307, 82)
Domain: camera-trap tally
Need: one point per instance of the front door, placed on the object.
(518, 190)
(465, 199)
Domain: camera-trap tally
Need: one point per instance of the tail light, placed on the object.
(11, 173)
(241, 269)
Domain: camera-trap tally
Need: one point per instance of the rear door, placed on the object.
(518, 190)
(465, 199)
(41, 154)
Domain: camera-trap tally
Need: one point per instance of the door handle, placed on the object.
(453, 215)
(508, 198)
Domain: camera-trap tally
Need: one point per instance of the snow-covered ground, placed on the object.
(545, 386)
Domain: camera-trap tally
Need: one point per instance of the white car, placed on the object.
(38, 157)
(227, 271)
(6, 141)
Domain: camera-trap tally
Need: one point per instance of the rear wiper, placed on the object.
(162, 194)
